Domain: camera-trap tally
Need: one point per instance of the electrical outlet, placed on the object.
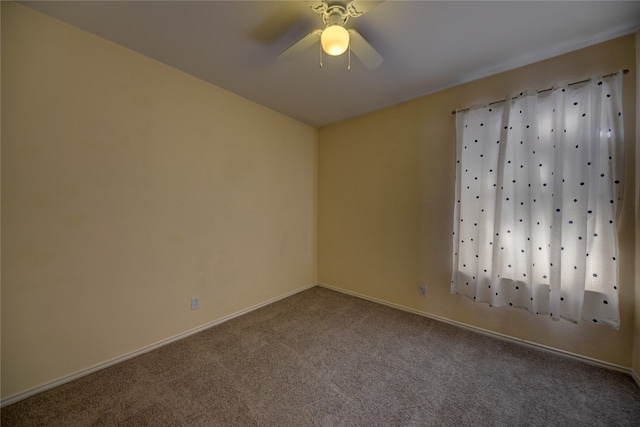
(423, 290)
(195, 303)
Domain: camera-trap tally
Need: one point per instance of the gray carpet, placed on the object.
(327, 359)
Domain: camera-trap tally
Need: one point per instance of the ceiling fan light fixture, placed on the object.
(334, 40)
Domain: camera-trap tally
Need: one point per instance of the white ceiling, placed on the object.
(426, 45)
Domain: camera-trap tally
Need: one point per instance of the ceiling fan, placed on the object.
(335, 39)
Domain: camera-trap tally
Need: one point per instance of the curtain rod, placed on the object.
(624, 71)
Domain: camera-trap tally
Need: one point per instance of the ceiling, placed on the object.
(426, 45)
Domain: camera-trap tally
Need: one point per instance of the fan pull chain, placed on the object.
(320, 55)
(349, 60)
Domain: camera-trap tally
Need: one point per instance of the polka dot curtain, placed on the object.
(538, 189)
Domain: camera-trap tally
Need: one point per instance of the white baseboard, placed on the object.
(83, 372)
(585, 359)
(68, 378)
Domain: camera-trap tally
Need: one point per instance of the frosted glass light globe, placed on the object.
(334, 40)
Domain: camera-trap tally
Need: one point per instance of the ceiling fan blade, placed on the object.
(363, 50)
(277, 24)
(360, 7)
(301, 45)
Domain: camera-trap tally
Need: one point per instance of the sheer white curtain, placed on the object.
(538, 189)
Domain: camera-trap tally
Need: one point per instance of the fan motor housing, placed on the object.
(335, 15)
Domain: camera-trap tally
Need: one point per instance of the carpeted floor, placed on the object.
(327, 359)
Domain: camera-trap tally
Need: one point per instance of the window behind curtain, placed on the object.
(538, 189)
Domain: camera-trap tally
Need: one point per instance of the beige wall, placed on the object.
(127, 188)
(386, 189)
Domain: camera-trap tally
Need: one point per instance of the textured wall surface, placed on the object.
(127, 188)
(386, 190)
